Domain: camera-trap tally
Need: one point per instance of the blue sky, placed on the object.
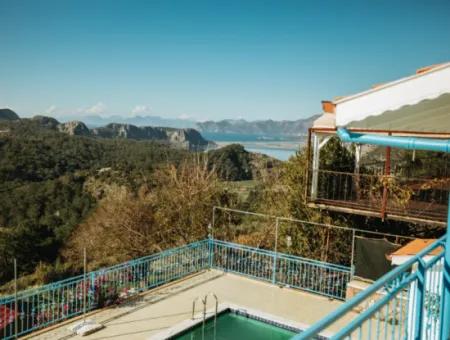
(209, 59)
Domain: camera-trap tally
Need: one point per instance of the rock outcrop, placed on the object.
(189, 139)
(74, 127)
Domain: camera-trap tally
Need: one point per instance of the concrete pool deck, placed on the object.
(159, 309)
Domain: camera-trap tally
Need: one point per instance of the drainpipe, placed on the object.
(413, 143)
(409, 143)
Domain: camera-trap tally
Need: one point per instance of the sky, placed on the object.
(209, 60)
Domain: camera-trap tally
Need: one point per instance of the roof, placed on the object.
(418, 103)
(381, 86)
(416, 246)
(430, 115)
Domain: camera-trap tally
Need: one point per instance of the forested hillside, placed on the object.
(121, 199)
(51, 182)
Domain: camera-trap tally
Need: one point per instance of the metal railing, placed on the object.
(421, 198)
(278, 268)
(52, 303)
(403, 304)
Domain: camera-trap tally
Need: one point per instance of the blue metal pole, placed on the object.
(210, 251)
(275, 258)
(445, 305)
(420, 299)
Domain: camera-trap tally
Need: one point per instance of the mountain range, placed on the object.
(188, 138)
(93, 121)
(283, 128)
(147, 127)
(286, 128)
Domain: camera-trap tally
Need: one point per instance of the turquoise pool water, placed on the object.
(232, 326)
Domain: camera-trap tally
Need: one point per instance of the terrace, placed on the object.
(179, 275)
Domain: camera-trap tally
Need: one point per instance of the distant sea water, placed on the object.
(277, 147)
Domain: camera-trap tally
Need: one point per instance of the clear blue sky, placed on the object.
(212, 59)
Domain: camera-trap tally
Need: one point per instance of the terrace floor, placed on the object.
(156, 310)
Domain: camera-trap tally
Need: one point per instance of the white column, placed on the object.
(315, 165)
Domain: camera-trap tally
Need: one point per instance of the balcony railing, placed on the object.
(396, 197)
(403, 304)
(50, 304)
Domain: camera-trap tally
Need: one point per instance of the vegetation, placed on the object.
(232, 163)
(124, 199)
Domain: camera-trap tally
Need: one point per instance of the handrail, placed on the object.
(215, 312)
(339, 312)
(193, 305)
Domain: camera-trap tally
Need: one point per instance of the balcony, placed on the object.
(401, 198)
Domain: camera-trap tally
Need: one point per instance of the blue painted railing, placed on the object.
(53, 303)
(282, 269)
(403, 304)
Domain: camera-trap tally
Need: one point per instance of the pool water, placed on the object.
(231, 325)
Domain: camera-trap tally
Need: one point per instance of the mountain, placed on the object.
(188, 139)
(269, 127)
(97, 121)
(7, 114)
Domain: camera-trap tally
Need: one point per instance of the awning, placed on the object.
(419, 103)
(430, 115)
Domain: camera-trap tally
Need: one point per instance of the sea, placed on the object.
(279, 147)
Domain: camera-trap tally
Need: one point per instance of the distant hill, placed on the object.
(97, 121)
(188, 139)
(269, 127)
(7, 114)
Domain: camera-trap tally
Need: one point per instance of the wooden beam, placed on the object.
(369, 213)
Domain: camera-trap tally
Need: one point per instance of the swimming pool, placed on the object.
(234, 324)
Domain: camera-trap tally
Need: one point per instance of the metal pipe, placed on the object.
(193, 306)
(216, 306)
(445, 303)
(410, 143)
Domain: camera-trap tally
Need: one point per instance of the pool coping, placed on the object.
(253, 313)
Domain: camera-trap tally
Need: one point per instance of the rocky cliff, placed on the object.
(189, 139)
(74, 127)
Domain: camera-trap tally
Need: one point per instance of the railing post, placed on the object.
(92, 299)
(274, 269)
(16, 309)
(445, 304)
(210, 252)
(420, 299)
(352, 259)
(84, 285)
